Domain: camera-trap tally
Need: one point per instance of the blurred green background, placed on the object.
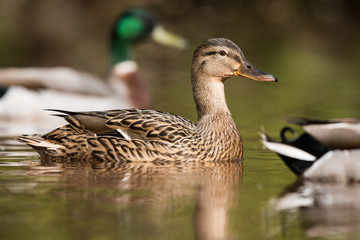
(59, 32)
(312, 46)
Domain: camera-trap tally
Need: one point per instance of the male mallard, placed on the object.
(148, 135)
(74, 90)
(329, 150)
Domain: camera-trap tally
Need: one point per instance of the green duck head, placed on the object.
(137, 25)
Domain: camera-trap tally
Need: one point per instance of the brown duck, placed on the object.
(149, 135)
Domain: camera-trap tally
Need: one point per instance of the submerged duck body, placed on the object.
(25, 92)
(148, 135)
(329, 150)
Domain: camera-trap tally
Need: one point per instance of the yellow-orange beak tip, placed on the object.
(263, 77)
(255, 74)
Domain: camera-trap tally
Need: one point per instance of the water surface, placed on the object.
(230, 200)
(318, 77)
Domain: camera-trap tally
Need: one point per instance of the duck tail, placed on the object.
(42, 146)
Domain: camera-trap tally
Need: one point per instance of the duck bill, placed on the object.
(161, 36)
(249, 71)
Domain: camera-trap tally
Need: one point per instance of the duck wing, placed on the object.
(132, 124)
(88, 136)
(153, 125)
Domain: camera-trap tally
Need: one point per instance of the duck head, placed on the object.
(214, 61)
(221, 58)
(137, 25)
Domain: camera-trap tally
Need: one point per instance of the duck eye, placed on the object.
(222, 53)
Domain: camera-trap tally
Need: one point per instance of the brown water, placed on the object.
(135, 200)
(318, 77)
(232, 200)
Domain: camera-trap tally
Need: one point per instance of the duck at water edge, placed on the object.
(329, 150)
(149, 135)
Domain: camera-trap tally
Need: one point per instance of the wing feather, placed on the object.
(136, 123)
(152, 125)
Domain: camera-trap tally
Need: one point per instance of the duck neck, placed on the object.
(209, 97)
(120, 50)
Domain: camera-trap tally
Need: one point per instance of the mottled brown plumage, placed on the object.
(148, 135)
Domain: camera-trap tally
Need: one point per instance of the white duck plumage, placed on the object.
(334, 145)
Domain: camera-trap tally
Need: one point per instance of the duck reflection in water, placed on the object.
(327, 192)
(157, 186)
(321, 210)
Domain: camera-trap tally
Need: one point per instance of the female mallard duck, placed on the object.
(148, 135)
(328, 150)
(67, 88)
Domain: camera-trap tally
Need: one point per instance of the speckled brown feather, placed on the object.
(148, 135)
(183, 144)
(153, 125)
